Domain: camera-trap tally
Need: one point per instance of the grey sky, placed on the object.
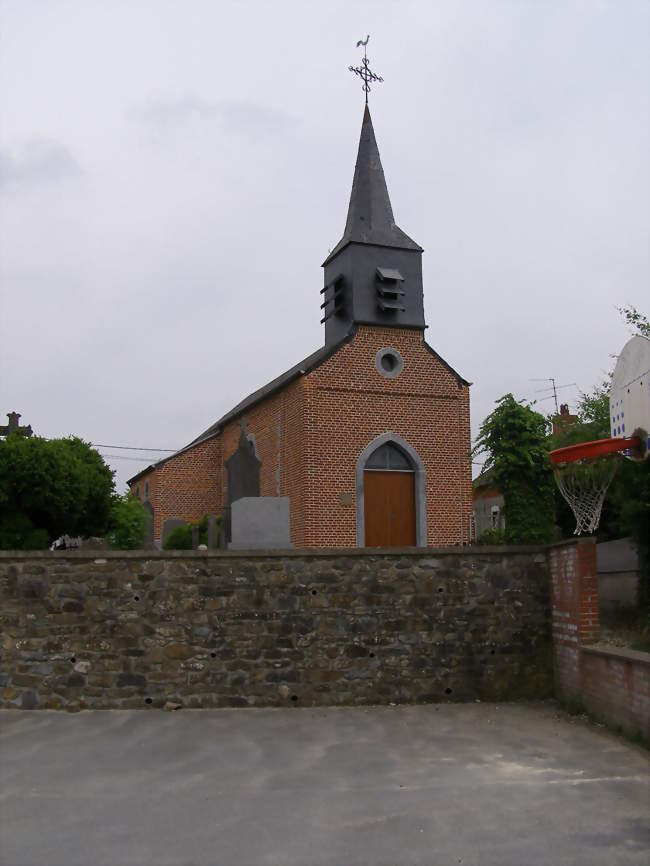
(174, 173)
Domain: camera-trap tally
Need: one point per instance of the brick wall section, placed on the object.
(324, 627)
(574, 600)
(352, 404)
(189, 486)
(278, 425)
(310, 435)
(615, 686)
(612, 683)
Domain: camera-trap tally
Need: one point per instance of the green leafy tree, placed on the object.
(58, 486)
(636, 320)
(17, 532)
(514, 438)
(128, 521)
(593, 409)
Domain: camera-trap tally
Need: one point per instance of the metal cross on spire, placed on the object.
(364, 72)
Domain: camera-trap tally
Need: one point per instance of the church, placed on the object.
(368, 437)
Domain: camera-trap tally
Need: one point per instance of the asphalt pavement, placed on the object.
(471, 784)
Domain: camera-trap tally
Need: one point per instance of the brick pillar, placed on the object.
(588, 604)
(575, 608)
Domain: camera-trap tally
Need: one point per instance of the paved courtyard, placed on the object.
(449, 784)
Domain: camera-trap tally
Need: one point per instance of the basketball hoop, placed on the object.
(583, 472)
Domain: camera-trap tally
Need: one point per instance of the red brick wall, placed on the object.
(139, 487)
(350, 404)
(574, 600)
(613, 684)
(188, 486)
(486, 493)
(310, 435)
(277, 425)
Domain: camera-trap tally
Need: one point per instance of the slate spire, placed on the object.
(373, 276)
(370, 214)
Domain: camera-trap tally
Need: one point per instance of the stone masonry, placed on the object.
(270, 629)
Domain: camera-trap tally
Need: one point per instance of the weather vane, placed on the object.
(364, 72)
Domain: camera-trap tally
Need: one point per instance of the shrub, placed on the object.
(17, 532)
(493, 536)
(127, 523)
(179, 539)
(60, 486)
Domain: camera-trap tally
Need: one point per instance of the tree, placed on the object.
(515, 439)
(636, 320)
(127, 522)
(57, 486)
(593, 409)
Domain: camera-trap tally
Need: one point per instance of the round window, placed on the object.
(389, 362)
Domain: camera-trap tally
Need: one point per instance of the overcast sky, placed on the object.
(174, 173)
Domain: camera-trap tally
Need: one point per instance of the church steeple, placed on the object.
(370, 213)
(374, 274)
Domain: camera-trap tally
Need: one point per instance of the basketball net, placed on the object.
(584, 484)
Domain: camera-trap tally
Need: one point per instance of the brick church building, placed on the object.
(368, 437)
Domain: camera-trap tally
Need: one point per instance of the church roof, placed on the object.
(306, 366)
(370, 214)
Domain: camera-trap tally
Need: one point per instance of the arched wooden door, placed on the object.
(389, 499)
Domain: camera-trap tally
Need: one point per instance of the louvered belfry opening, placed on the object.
(390, 291)
(373, 276)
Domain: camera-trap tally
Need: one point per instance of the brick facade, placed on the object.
(615, 687)
(310, 433)
(611, 683)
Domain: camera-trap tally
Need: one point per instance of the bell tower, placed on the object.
(373, 276)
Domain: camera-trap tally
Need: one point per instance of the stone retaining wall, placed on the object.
(304, 628)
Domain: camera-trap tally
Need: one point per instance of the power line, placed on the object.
(121, 447)
(133, 448)
(127, 457)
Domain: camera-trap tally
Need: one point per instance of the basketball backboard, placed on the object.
(629, 398)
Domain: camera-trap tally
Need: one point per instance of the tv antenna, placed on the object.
(553, 389)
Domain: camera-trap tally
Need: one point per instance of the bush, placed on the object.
(17, 532)
(127, 523)
(59, 486)
(179, 539)
(493, 536)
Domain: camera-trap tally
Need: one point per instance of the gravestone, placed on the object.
(170, 525)
(243, 473)
(243, 470)
(148, 538)
(213, 532)
(260, 523)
